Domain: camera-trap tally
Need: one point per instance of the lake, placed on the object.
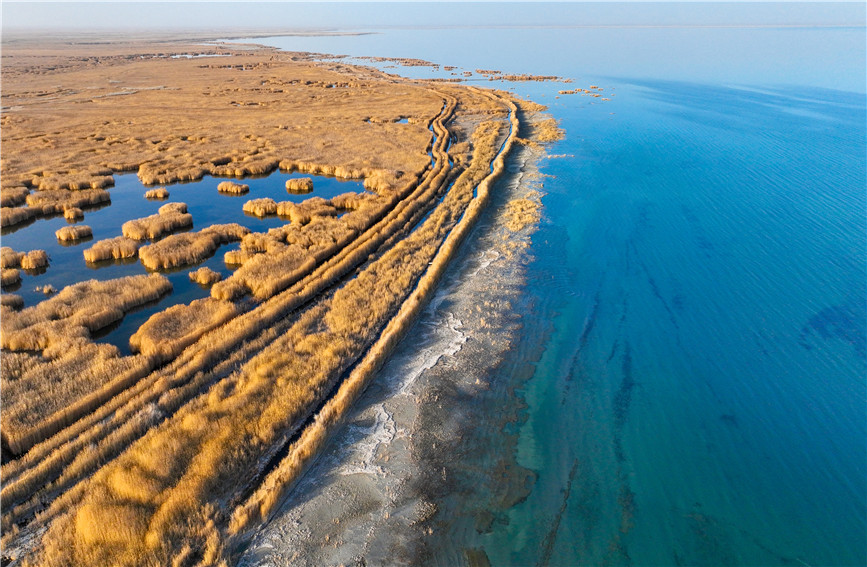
(694, 308)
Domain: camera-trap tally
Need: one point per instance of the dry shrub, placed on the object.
(300, 185)
(34, 260)
(111, 249)
(71, 233)
(57, 201)
(205, 276)
(73, 213)
(168, 220)
(159, 194)
(10, 216)
(189, 247)
(11, 301)
(9, 277)
(232, 188)
(260, 207)
(168, 332)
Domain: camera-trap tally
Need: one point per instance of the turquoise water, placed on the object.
(697, 291)
(204, 203)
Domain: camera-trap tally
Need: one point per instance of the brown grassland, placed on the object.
(172, 455)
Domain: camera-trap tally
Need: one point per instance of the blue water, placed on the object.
(204, 203)
(698, 289)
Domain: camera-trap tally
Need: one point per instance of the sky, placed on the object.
(299, 15)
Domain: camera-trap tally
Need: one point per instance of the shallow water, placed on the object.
(695, 312)
(204, 203)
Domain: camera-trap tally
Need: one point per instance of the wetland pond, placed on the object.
(207, 206)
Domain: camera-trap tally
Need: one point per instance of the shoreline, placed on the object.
(375, 491)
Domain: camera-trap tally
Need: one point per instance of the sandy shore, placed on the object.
(385, 489)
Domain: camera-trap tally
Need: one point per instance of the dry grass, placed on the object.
(111, 249)
(261, 207)
(72, 233)
(233, 188)
(168, 220)
(205, 276)
(299, 185)
(189, 247)
(159, 194)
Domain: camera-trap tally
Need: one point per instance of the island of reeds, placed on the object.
(172, 455)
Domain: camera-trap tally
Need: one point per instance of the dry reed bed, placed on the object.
(233, 188)
(73, 233)
(60, 329)
(262, 503)
(111, 249)
(171, 217)
(33, 260)
(300, 185)
(73, 214)
(241, 418)
(168, 332)
(159, 194)
(9, 277)
(116, 424)
(11, 301)
(261, 207)
(13, 196)
(49, 202)
(190, 247)
(205, 276)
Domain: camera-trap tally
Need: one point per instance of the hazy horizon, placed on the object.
(156, 16)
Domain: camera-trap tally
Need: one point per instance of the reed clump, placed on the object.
(189, 247)
(300, 185)
(10, 216)
(12, 196)
(168, 220)
(34, 260)
(112, 249)
(524, 212)
(9, 258)
(261, 207)
(72, 233)
(233, 188)
(168, 332)
(205, 276)
(9, 277)
(73, 214)
(11, 301)
(304, 212)
(158, 194)
(49, 202)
